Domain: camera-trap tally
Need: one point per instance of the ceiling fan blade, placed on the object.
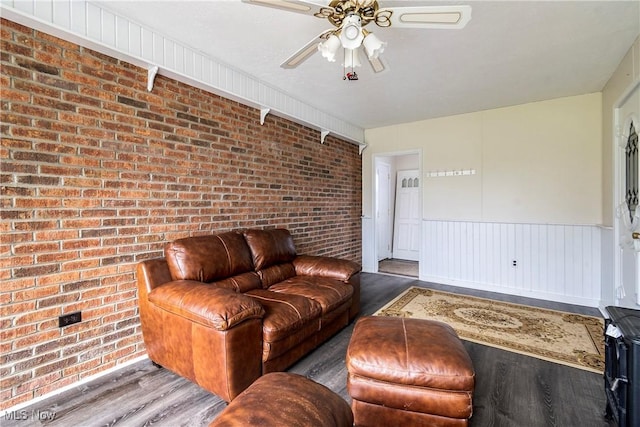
(298, 6)
(305, 52)
(438, 17)
(377, 65)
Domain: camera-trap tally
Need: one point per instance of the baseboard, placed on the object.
(576, 300)
(74, 385)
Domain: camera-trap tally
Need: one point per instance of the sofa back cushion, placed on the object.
(276, 274)
(270, 247)
(209, 258)
(272, 253)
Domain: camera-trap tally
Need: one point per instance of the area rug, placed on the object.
(570, 339)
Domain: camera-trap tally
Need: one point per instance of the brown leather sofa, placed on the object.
(222, 310)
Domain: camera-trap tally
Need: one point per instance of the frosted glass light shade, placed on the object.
(329, 47)
(373, 46)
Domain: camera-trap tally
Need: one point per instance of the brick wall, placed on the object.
(97, 174)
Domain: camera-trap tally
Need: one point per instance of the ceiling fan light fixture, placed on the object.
(349, 17)
(373, 46)
(351, 32)
(330, 47)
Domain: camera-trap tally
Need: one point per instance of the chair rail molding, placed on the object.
(95, 27)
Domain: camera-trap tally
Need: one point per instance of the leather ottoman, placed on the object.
(408, 372)
(282, 399)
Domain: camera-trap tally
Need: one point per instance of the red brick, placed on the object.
(64, 277)
(55, 366)
(11, 334)
(51, 58)
(26, 314)
(80, 264)
(35, 293)
(17, 284)
(38, 383)
(55, 385)
(68, 46)
(81, 367)
(14, 380)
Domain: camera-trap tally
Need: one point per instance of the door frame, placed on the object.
(618, 180)
(376, 209)
(374, 199)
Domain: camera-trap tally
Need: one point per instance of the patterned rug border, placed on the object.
(408, 295)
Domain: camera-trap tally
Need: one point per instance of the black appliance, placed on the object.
(622, 366)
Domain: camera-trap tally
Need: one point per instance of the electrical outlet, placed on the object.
(69, 319)
(514, 263)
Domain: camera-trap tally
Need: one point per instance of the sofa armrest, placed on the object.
(203, 303)
(335, 268)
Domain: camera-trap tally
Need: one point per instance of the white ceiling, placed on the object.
(511, 52)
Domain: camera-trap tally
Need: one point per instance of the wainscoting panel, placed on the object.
(554, 262)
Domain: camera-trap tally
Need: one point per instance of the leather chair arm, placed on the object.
(335, 268)
(206, 304)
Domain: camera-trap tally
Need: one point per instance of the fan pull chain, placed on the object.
(352, 75)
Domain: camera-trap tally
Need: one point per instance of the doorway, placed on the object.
(398, 213)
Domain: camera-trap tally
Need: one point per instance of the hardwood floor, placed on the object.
(511, 389)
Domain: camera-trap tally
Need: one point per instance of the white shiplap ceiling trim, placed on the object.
(94, 27)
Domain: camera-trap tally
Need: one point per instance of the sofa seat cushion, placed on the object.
(205, 304)
(289, 321)
(285, 314)
(329, 293)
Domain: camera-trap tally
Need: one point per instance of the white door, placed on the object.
(406, 233)
(628, 211)
(383, 210)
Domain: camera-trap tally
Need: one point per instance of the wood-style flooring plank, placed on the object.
(512, 390)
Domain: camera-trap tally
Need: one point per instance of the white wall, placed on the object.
(536, 165)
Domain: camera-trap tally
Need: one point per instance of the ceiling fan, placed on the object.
(349, 18)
